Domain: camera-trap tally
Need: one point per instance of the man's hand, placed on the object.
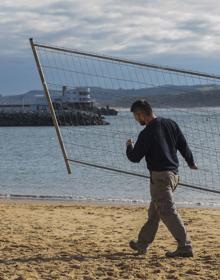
(194, 166)
(129, 142)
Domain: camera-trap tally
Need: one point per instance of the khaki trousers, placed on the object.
(162, 206)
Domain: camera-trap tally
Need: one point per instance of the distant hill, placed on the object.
(162, 96)
(176, 96)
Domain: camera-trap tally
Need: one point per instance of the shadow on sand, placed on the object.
(79, 257)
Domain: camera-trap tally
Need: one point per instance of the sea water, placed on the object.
(32, 166)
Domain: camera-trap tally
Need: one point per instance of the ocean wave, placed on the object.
(102, 200)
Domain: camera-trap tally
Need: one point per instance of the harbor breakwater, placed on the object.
(67, 118)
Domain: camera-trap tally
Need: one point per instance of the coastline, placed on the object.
(94, 201)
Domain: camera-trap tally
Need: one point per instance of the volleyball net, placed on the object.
(89, 96)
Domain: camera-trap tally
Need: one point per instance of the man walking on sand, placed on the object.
(158, 142)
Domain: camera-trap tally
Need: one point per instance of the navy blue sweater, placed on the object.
(158, 142)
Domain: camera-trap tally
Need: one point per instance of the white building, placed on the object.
(35, 101)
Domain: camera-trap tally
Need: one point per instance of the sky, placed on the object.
(184, 34)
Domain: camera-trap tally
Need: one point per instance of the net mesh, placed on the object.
(191, 99)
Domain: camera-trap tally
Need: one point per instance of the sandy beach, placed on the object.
(66, 240)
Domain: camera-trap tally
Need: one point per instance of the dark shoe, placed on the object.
(138, 247)
(180, 253)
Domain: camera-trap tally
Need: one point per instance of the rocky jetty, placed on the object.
(106, 111)
(67, 118)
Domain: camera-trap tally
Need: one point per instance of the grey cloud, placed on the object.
(194, 25)
(139, 29)
(105, 24)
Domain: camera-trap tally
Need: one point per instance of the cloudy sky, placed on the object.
(184, 34)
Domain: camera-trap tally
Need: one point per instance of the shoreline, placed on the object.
(90, 202)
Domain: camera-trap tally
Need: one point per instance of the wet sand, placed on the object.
(66, 240)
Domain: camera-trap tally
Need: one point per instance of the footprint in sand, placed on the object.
(190, 271)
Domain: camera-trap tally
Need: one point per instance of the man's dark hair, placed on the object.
(141, 105)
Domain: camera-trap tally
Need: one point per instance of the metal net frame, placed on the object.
(182, 95)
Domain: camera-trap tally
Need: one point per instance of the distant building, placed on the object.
(67, 99)
(78, 98)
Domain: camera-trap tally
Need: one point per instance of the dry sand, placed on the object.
(56, 240)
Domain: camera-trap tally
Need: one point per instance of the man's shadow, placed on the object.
(79, 257)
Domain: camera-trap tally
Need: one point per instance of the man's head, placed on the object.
(142, 111)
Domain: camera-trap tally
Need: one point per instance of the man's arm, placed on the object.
(136, 153)
(184, 149)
